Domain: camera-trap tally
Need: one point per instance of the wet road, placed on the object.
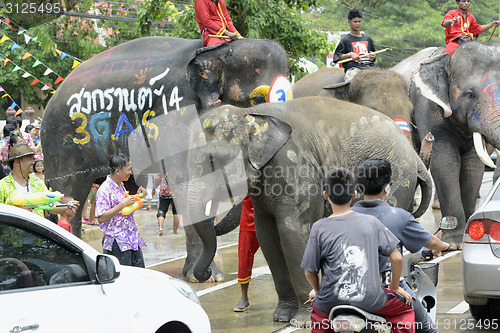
(166, 254)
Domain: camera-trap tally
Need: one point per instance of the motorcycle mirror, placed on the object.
(448, 223)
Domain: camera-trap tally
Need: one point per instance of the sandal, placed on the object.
(85, 220)
(94, 223)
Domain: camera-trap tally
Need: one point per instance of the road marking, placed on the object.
(460, 308)
(184, 256)
(263, 270)
(446, 256)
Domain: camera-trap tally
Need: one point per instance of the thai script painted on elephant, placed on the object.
(490, 88)
(100, 103)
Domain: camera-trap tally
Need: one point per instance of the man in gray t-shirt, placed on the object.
(345, 248)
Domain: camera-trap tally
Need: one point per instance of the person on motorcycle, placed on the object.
(350, 241)
(374, 180)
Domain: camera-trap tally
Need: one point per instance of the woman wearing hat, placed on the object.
(20, 180)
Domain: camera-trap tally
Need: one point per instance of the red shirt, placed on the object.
(213, 19)
(467, 27)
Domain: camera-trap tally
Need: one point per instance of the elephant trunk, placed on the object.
(230, 222)
(426, 149)
(425, 182)
(205, 230)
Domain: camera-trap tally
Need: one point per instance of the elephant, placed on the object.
(455, 97)
(100, 104)
(381, 90)
(278, 153)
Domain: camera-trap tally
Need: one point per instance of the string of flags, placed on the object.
(20, 30)
(28, 75)
(14, 104)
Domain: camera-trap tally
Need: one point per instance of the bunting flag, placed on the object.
(15, 46)
(37, 62)
(4, 38)
(59, 79)
(75, 64)
(6, 61)
(48, 71)
(14, 104)
(35, 81)
(26, 55)
(26, 75)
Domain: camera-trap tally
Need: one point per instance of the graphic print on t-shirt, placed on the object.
(351, 285)
(361, 47)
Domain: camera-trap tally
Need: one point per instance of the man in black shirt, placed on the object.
(353, 45)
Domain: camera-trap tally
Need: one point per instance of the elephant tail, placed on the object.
(425, 182)
(230, 222)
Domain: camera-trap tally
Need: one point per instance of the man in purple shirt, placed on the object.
(121, 237)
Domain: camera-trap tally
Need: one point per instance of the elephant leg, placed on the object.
(193, 250)
(471, 177)
(445, 169)
(270, 243)
(79, 193)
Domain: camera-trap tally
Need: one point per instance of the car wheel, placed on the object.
(489, 311)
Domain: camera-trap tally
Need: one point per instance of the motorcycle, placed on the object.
(420, 275)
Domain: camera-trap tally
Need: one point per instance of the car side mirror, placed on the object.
(448, 223)
(106, 269)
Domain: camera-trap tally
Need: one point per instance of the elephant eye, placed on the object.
(470, 94)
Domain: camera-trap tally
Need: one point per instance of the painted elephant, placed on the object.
(454, 97)
(381, 90)
(98, 106)
(279, 153)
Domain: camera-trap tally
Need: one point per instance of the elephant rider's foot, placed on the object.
(217, 103)
(284, 313)
(242, 306)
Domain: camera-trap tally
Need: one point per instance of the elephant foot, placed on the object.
(455, 239)
(192, 279)
(284, 312)
(302, 318)
(219, 277)
(436, 204)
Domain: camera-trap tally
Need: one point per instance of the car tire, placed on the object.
(489, 311)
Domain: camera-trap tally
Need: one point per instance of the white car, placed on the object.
(52, 281)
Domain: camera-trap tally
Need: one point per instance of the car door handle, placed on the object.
(24, 328)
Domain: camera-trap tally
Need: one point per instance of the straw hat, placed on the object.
(19, 151)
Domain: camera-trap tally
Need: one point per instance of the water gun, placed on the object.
(40, 200)
(135, 206)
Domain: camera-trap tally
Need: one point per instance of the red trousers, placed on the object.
(451, 47)
(247, 246)
(396, 312)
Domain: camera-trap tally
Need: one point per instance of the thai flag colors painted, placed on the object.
(403, 124)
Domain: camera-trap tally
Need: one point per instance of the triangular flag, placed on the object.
(5, 95)
(58, 52)
(17, 68)
(45, 87)
(22, 30)
(4, 38)
(8, 21)
(48, 71)
(15, 46)
(2, 89)
(26, 55)
(37, 62)
(27, 38)
(1, 21)
(59, 79)
(53, 92)
(26, 75)
(19, 111)
(35, 81)
(13, 29)
(6, 61)
(14, 104)
(75, 64)
(63, 55)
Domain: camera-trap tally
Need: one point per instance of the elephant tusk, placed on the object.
(208, 208)
(481, 150)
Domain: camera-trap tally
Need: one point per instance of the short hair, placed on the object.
(118, 161)
(353, 13)
(373, 174)
(7, 129)
(12, 121)
(28, 128)
(339, 185)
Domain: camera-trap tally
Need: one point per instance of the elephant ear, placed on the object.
(205, 74)
(338, 90)
(432, 79)
(266, 136)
